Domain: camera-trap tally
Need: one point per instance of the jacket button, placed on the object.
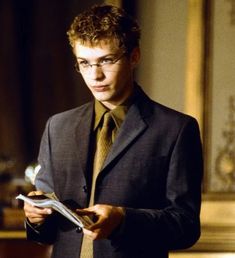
(78, 229)
(84, 189)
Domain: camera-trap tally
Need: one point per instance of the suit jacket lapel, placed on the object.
(131, 128)
(83, 136)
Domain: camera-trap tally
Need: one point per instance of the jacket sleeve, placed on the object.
(177, 225)
(44, 178)
(45, 233)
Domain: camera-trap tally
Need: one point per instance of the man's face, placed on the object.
(107, 71)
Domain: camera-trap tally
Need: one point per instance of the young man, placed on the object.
(145, 196)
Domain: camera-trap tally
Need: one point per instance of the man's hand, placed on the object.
(36, 215)
(108, 219)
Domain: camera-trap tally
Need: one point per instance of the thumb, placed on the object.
(86, 211)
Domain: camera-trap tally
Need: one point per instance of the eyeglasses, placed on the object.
(106, 64)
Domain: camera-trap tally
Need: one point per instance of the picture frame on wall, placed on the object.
(219, 99)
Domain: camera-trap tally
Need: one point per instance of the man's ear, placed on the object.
(135, 57)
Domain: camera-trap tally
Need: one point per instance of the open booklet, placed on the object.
(50, 200)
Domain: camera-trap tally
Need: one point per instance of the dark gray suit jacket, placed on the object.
(154, 169)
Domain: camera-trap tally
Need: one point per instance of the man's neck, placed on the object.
(113, 104)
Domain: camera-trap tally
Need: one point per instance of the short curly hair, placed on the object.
(105, 23)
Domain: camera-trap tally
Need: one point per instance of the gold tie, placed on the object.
(102, 148)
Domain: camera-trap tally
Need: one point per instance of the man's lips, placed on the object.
(100, 88)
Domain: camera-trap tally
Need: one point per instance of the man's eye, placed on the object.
(106, 61)
(83, 63)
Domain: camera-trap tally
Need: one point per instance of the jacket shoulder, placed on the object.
(154, 109)
(71, 118)
(73, 112)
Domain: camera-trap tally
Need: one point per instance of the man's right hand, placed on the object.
(34, 214)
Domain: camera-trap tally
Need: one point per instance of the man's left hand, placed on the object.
(108, 219)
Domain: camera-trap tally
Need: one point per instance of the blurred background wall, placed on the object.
(37, 78)
(163, 45)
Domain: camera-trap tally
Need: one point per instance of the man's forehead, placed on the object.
(108, 46)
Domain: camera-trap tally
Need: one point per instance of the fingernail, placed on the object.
(49, 211)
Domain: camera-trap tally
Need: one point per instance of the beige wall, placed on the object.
(162, 68)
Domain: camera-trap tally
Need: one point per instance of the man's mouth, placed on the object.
(100, 88)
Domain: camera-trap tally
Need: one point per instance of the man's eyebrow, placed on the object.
(78, 57)
(101, 57)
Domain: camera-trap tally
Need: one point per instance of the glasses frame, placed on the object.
(98, 65)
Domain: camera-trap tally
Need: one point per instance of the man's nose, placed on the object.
(96, 72)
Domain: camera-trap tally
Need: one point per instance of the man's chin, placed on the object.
(101, 97)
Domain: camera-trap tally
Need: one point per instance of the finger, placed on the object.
(86, 211)
(39, 192)
(32, 209)
(35, 217)
(36, 220)
(35, 213)
(97, 225)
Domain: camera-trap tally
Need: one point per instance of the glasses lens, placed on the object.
(107, 65)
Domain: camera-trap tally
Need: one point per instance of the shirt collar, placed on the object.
(100, 110)
(118, 114)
